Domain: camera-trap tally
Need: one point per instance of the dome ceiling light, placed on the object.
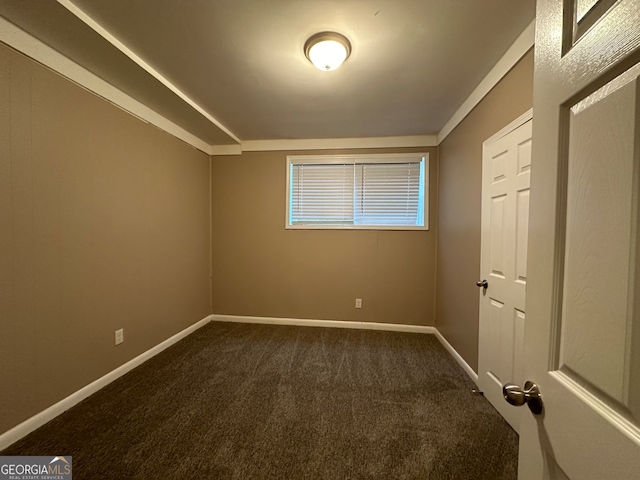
(327, 50)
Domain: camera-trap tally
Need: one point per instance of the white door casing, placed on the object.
(582, 337)
(506, 171)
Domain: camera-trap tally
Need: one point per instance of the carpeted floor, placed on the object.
(240, 401)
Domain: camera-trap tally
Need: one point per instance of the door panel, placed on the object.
(583, 7)
(499, 166)
(524, 157)
(582, 345)
(597, 309)
(498, 253)
(518, 346)
(496, 329)
(505, 219)
(522, 234)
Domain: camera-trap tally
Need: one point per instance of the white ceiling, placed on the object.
(240, 68)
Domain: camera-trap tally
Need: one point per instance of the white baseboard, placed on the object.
(392, 327)
(465, 366)
(29, 425)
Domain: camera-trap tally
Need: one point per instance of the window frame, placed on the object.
(357, 158)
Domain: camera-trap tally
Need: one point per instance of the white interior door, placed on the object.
(506, 171)
(582, 337)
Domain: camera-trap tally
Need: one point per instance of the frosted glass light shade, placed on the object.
(327, 50)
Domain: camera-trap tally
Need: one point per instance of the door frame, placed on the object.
(521, 120)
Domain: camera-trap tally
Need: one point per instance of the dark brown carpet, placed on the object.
(240, 401)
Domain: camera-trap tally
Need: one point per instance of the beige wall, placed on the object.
(262, 269)
(457, 298)
(104, 224)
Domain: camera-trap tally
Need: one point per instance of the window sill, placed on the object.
(356, 227)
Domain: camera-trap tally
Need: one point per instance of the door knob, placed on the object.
(518, 397)
(484, 284)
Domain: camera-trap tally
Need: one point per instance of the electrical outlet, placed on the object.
(358, 303)
(119, 336)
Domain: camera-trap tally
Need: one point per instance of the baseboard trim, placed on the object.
(303, 322)
(31, 424)
(461, 361)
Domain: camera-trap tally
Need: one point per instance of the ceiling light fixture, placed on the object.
(327, 50)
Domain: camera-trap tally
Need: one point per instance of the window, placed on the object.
(358, 191)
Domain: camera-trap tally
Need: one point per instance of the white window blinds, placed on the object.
(322, 193)
(387, 194)
(373, 191)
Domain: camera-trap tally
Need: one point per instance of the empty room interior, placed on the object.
(224, 256)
